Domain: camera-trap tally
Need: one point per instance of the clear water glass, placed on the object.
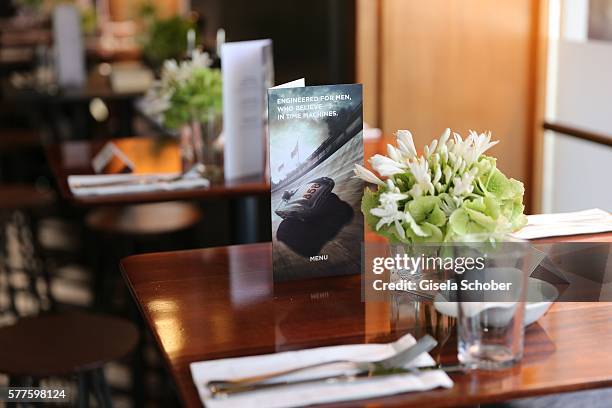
(490, 320)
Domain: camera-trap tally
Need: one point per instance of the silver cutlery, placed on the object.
(241, 388)
(198, 169)
(365, 368)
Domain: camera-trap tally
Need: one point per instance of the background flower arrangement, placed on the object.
(450, 191)
(187, 91)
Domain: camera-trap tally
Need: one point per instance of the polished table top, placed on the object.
(150, 155)
(221, 302)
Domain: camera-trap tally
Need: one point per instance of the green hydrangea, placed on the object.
(195, 98)
(451, 191)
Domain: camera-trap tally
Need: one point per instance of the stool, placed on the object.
(52, 344)
(127, 230)
(68, 344)
(144, 221)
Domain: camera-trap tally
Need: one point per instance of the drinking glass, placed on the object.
(491, 301)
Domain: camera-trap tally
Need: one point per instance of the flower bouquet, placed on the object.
(450, 191)
(188, 97)
(187, 91)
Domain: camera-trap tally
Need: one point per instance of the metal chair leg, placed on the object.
(101, 389)
(82, 400)
(5, 266)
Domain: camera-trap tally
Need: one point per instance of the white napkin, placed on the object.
(320, 392)
(571, 223)
(89, 185)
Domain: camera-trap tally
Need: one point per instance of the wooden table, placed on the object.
(221, 302)
(157, 155)
(51, 102)
(150, 155)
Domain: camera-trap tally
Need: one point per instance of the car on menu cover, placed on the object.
(305, 201)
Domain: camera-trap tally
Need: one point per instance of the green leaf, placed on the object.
(369, 201)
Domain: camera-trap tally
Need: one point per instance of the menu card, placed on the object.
(69, 50)
(316, 137)
(247, 72)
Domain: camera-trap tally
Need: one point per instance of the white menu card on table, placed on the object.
(69, 50)
(247, 74)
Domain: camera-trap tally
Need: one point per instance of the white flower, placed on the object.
(406, 143)
(386, 166)
(463, 185)
(431, 149)
(481, 143)
(394, 153)
(389, 213)
(201, 59)
(437, 175)
(473, 146)
(420, 170)
(444, 137)
(366, 175)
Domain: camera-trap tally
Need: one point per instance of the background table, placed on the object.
(221, 302)
(158, 155)
(150, 155)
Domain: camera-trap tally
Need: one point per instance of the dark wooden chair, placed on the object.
(49, 343)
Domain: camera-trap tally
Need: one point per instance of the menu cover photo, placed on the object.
(316, 137)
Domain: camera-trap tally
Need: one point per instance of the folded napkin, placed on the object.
(320, 392)
(571, 223)
(91, 185)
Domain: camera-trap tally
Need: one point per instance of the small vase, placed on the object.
(200, 143)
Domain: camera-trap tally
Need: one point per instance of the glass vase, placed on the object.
(201, 145)
(420, 265)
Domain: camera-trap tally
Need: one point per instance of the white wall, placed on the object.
(579, 174)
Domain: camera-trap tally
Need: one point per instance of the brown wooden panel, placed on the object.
(368, 55)
(464, 64)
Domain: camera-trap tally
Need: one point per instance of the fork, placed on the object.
(399, 359)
